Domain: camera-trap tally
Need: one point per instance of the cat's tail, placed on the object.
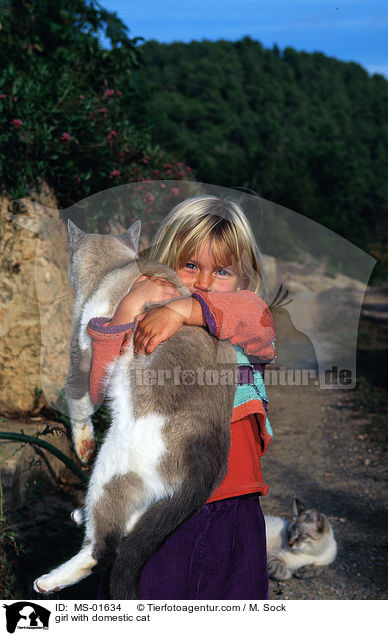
(160, 520)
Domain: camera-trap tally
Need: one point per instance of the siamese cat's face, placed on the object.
(307, 531)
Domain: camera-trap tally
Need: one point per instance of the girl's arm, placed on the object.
(109, 337)
(241, 317)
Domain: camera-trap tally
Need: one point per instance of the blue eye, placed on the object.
(190, 265)
(223, 272)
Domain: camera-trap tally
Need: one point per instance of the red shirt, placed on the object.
(244, 472)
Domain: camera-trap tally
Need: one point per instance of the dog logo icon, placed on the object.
(26, 615)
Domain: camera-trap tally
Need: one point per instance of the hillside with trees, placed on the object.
(304, 130)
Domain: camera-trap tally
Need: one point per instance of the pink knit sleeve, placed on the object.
(107, 344)
(241, 317)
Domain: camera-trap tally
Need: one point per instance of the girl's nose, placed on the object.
(203, 281)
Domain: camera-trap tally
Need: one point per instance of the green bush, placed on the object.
(70, 113)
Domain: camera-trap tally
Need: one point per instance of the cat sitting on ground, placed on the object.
(167, 447)
(299, 547)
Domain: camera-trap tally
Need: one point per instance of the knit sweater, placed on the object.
(244, 319)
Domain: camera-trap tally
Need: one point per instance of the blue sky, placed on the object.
(350, 30)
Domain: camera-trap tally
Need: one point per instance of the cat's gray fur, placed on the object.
(168, 445)
(299, 547)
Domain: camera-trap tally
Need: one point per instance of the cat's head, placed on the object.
(307, 530)
(94, 254)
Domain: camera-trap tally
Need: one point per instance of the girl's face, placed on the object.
(202, 273)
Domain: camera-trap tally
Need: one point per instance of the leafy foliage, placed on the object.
(69, 111)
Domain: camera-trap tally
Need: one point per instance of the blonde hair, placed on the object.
(187, 227)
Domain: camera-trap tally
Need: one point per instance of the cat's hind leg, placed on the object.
(149, 529)
(73, 571)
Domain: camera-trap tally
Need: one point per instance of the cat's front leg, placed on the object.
(81, 407)
(277, 570)
(308, 572)
(82, 427)
(84, 440)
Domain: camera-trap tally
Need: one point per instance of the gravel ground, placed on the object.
(321, 454)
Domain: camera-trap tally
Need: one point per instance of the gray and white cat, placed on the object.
(299, 547)
(167, 447)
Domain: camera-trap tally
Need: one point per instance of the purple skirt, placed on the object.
(217, 554)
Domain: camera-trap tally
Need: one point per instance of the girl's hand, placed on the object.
(145, 289)
(155, 326)
(159, 324)
(154, 289)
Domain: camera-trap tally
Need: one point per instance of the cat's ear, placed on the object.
(319, 520)
(131, 236)
(73, 233)
(323, 524)
(297, 507)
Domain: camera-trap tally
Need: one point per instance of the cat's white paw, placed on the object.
(84, 441)
(42, 585)
(68, 573)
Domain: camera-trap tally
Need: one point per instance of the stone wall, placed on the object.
(35, 305)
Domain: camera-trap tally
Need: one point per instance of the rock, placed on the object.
(34, 292)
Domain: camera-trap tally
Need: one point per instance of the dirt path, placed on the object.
(322, 454)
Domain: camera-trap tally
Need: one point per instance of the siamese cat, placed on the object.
(299, 548)
(167, 447)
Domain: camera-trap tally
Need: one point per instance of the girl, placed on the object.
(220, 552)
